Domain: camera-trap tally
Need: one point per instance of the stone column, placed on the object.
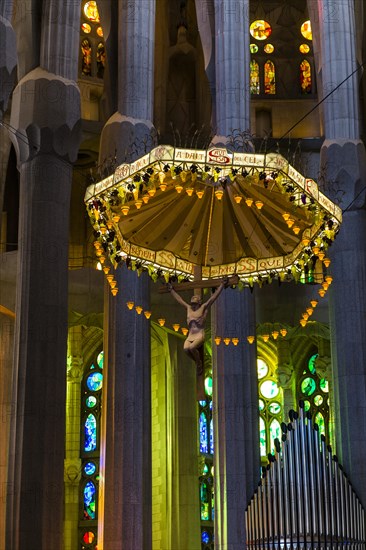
(232, 67)
(125, 522)
(285, 376)
(45, 113)
(235, 413)
(344, 169)
(72, 473)
(131, 125)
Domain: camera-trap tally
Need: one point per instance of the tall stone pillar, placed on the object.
(46, 118)
(235, 413)
(125, 522)
(344, 167)
(285, 376)
(72, 473)
(232, 67)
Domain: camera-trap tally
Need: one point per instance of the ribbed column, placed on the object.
(127, 131)
(338, 57)
(125, 522)
(232, 67)
(348, 325)
(72, 473)
(60, 38)
(235, 413)
(6, 408)
(8, 54)
(205, 14)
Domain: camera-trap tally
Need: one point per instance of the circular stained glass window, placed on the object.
(262, 369)
(95, 381)
(261, 404)
(91, 401)
(208, 385)
(318, 400)
(306, 405)
(88, 537)
(308, 386)
(90, 468)
(253, 48)
(205, 537)
(304, 48)
(269, 48)
(269, 389)
(85, 27)
(260, 29)
(91, 11)
(274, 407)
(306, 30)
(100, 32)
(324, 385)
(100, 359)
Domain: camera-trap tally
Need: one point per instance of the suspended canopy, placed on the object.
(227, 213)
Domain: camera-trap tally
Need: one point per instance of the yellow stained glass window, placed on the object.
(269, 48)
(269, 78)
(260, 29)
(305, 77)
(254, 78)
(91, 11)
(100, 32)
(304, 48)
(306, 30)
(86, 53)
(85, 27)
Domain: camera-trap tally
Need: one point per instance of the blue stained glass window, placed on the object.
(95, 381)
(211, 437)
(89, 500)
(205, 537)
(203, 433)
(89, 468)
(90, 431)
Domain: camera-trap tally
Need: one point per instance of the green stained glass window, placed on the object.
(318, 400)
(100, 359)
(208, 386)
(319, 419)
(324, 385)
(91, 401)
(269, 389)
(261, 404)
(306, 405)
(308, 386)
(275, 433)
(262, 369)
(205, 501)
(253, 48)
(274, 407)
(311, 363)
(262, 437)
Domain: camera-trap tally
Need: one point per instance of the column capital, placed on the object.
(46, 116)
(285, 372)
(8, 62)
(75, 368)
(72, 471)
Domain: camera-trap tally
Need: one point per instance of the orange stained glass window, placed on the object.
(269, 48)
(269, 78)
(85, 27)
(254, 78)
(305, 77)
(306, 30)
(86, 58)
(91, 11)
(304, 48)
(260, 29)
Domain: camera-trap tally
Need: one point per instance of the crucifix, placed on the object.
(196, 316)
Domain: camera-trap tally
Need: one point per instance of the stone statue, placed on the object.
(196, 317)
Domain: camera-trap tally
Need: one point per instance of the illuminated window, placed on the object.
(91, 396)
(314, 391)
(270, 408)
(306, 30)
(260, 29)
(304, 48)
(253, 48)
(92, 47)
(269, 78)
(254, 78)
(269, 48)
(305, 77)
(206, 484)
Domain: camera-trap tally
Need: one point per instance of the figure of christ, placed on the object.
(196, 317)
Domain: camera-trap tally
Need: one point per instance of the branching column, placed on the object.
(46, 118)
(343, 164)
(235, 413)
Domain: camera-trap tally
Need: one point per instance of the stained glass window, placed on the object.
(269, 78)
(92, 49)
(305, 77)
(253, 48)
(254, 78)
(90, 420)
(306, 30)
(260, 29)
(204, 448)
(304, 48)
(269, 48)
(270, 408)
(314, 391)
